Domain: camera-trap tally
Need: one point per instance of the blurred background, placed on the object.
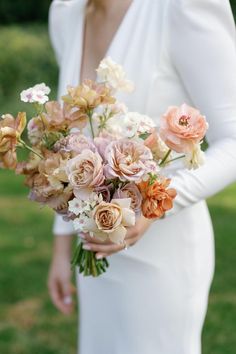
(28, 321)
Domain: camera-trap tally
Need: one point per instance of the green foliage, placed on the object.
(26, 58)
(23, 11)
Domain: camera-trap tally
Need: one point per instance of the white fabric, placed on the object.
(153, 298)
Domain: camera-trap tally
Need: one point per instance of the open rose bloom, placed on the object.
(96, 163)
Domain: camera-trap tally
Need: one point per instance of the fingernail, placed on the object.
(86, 247)
(67, 300)
(99, 256)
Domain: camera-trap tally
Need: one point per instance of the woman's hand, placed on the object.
(59, 280)
(107, 248)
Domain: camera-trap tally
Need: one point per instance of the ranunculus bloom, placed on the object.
(88, 95)
(126, 159)
(181, 127)
(111, 219)
(10, 132)
(130, 190)
(157, 198)
(85, 171)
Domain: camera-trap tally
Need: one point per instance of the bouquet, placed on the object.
(96, 163)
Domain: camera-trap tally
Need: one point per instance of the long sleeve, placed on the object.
(202, 49)
(58, 17)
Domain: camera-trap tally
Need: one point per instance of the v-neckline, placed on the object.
(113, 40)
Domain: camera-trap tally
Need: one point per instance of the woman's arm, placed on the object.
(203, 52)
(59, 280)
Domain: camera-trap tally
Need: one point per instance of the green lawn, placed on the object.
(28, 322)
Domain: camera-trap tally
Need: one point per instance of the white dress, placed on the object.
(153, 299)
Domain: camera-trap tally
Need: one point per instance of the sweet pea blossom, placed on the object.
(10, 133)
(114, 75)
(194, 158)
(36, 94)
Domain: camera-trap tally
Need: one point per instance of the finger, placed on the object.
(61, 296)
(103, 248)
(103, 255)
(87, 238)
(67, 290)
(131, 233)
(90, 239)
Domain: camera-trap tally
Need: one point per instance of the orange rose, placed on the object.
(157, 199)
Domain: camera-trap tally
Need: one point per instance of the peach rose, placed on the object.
(85, 171)
(128, 160)
(181, 127)
(111, 219)
(157, 199)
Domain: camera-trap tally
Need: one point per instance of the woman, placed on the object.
(153, 299)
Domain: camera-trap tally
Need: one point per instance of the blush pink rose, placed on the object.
(182, 127)
(128, 160)
(85, 171)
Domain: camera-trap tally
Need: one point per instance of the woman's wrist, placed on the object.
(62, 246)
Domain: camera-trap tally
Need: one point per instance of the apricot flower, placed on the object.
(157, 198)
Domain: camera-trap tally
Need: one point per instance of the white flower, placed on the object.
(195, 158)
(76, 206)
(36, 94)
(80, 223)
(42, 87)
(114, 75)
(131, 124)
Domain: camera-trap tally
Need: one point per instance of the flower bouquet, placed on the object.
(96, 163)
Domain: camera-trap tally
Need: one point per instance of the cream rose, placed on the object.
(111, 219)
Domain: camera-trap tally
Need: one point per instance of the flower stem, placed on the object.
(22, 143)
(165, 158)
(177, 158)
(90, 113)
(87, 263)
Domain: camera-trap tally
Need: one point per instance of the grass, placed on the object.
(28, 321)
